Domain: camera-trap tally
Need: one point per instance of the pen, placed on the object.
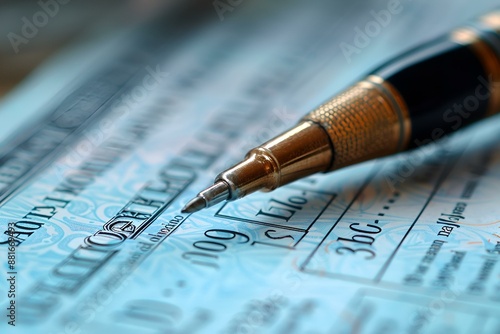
(419, 97)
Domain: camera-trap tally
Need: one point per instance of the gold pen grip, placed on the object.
(366, 121)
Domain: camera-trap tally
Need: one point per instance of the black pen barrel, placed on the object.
(447, 83)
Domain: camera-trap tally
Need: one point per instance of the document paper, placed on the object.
(92, 184)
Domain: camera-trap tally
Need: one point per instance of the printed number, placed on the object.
(226, 235)
(357, 250)
(207, 249)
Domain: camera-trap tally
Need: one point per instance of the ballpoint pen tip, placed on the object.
(196, 204)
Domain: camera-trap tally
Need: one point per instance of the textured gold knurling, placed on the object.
(366, 121)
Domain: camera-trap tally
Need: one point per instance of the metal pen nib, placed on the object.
(208, 197)
(299, 152)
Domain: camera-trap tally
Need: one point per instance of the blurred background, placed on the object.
(33, 30)
(24, 43)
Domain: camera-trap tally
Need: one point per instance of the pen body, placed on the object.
(416, 98)
(447, 83)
